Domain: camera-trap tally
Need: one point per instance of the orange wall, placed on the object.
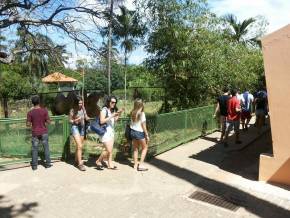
(276, 52)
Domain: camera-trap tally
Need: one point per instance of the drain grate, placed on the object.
(213, 199)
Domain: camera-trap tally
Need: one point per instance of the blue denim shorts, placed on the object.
(136, 135)
(78, 130)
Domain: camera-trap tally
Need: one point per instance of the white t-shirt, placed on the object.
(249, 101)
(137, 125)
(240, 97)
(110, 122)
(109, 134)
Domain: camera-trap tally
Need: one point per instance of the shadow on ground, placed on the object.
(243, 161)
(23, 210)
(251, 203)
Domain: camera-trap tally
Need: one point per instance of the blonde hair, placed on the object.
(138, 108)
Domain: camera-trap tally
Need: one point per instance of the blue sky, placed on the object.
(276, 12)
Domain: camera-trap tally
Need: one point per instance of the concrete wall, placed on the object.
(276, 52)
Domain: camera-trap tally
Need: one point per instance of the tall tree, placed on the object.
(127, 28)
(239, 30)
(190, 54)
(109, 13)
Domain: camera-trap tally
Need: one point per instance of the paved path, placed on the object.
(163, 191)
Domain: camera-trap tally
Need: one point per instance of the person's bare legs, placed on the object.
(247, 122)
(223, 127)
(109, 149)
(135, 153)
(79, 147)
(243, 124)
(144, 150)
(101, 158)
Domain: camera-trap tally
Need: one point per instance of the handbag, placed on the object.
(128, 132)
(97, 127)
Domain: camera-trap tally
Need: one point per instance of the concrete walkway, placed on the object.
(163, 191)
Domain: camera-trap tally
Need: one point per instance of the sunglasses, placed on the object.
(113, 102)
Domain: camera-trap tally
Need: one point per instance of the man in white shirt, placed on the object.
(248, 100)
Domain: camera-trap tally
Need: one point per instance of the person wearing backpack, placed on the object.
(246, 109)
(108, 116)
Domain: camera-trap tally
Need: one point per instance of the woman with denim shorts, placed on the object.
(109, 115)
(139, 134)
(77, 118)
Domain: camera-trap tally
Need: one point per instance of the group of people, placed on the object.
(38, 119)
(234, 108)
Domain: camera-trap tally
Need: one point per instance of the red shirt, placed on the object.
(38, 117)
(233, 103)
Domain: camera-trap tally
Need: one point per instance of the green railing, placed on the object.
(166, 132)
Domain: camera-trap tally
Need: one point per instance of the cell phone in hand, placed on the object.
(121, 110)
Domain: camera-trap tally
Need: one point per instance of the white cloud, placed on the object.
(275, 11)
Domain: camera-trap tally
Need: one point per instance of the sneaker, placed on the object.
(34, 168)
(81, 167)
(141, 168)
(47, 165)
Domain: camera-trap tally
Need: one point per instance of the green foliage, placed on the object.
(127, 28)
(139, 76)
(14, 85)
(95, 79)
(147, 94)
(194, 59)
(192, 55)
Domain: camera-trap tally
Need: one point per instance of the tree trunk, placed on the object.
(5, 106)
(125, 78)
(110, 46)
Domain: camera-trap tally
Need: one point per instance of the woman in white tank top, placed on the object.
(139, 134)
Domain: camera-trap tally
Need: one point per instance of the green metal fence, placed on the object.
(166, 132)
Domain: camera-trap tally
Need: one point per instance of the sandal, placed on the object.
(104, 164)
(112, 168)
(98, 167)
(81, 167)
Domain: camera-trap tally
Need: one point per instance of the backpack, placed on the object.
(128, 132)
(245, 104)
(97, 127)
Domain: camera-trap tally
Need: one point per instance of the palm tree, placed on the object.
(127, 29)
(109, 17)
(239, 30)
